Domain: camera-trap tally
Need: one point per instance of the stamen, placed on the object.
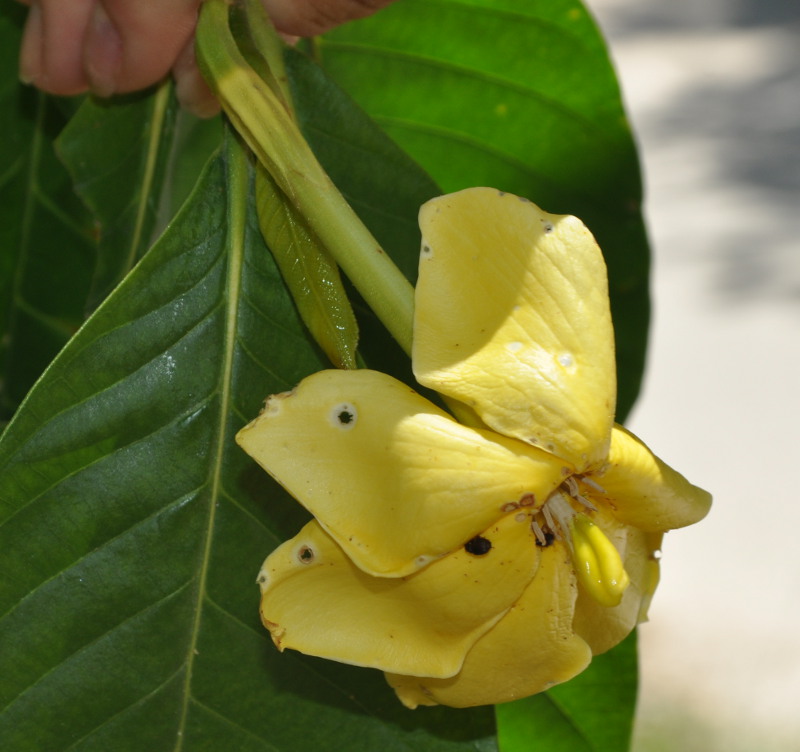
(575, 493)
(593, 484)
(558, 514)
(539, 533)
(551, 523)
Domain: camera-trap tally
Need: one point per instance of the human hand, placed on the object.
(117, 46)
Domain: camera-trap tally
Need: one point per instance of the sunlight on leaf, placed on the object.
(132, 527)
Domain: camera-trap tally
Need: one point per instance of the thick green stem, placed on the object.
(269, 130)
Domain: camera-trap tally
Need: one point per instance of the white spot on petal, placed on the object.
(343, 416)
(514, 346)
(566, 360)
(422, 560)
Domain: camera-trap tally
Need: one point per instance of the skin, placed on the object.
(118, 46)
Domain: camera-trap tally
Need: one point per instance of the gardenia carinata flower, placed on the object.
(474, 564)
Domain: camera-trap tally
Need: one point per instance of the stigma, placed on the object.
(567, 516)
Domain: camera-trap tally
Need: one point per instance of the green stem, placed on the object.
(269, 130)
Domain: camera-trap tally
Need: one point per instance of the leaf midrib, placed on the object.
(156, 127)
(237, 219)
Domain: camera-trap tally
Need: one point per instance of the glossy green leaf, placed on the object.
(132, 527)
(116, 153)
(44, 230)
(517, 96)
(194, 141)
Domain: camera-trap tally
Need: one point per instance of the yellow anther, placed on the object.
(597, 562)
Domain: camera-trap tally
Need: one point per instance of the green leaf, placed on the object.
(133, 161)
(194, 141)
(132, 527)
(117, 154)
(590, 713)
(47, 252)
(519, 96)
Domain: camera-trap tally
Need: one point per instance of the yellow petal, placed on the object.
(602, 626)
(529, 650)
(644, 491)
(394, 479)
(316, 601)
(512, 317)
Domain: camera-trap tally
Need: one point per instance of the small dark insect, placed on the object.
(478, 546)
(345, 417)
(549, 539)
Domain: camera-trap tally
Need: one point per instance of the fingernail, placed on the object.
(30, 54)
(102, 53)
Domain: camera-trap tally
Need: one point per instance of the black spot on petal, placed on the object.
(478, 546)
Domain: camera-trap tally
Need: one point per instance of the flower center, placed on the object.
(565, 516)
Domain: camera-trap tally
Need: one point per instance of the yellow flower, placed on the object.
(474, 564)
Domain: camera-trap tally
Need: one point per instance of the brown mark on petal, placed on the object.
(276, 631)
(305, 555)
(273, 403)
(527, 500)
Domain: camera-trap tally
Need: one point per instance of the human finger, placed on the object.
(132, 44)
(50, 55)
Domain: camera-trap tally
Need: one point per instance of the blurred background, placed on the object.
(713, 92)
